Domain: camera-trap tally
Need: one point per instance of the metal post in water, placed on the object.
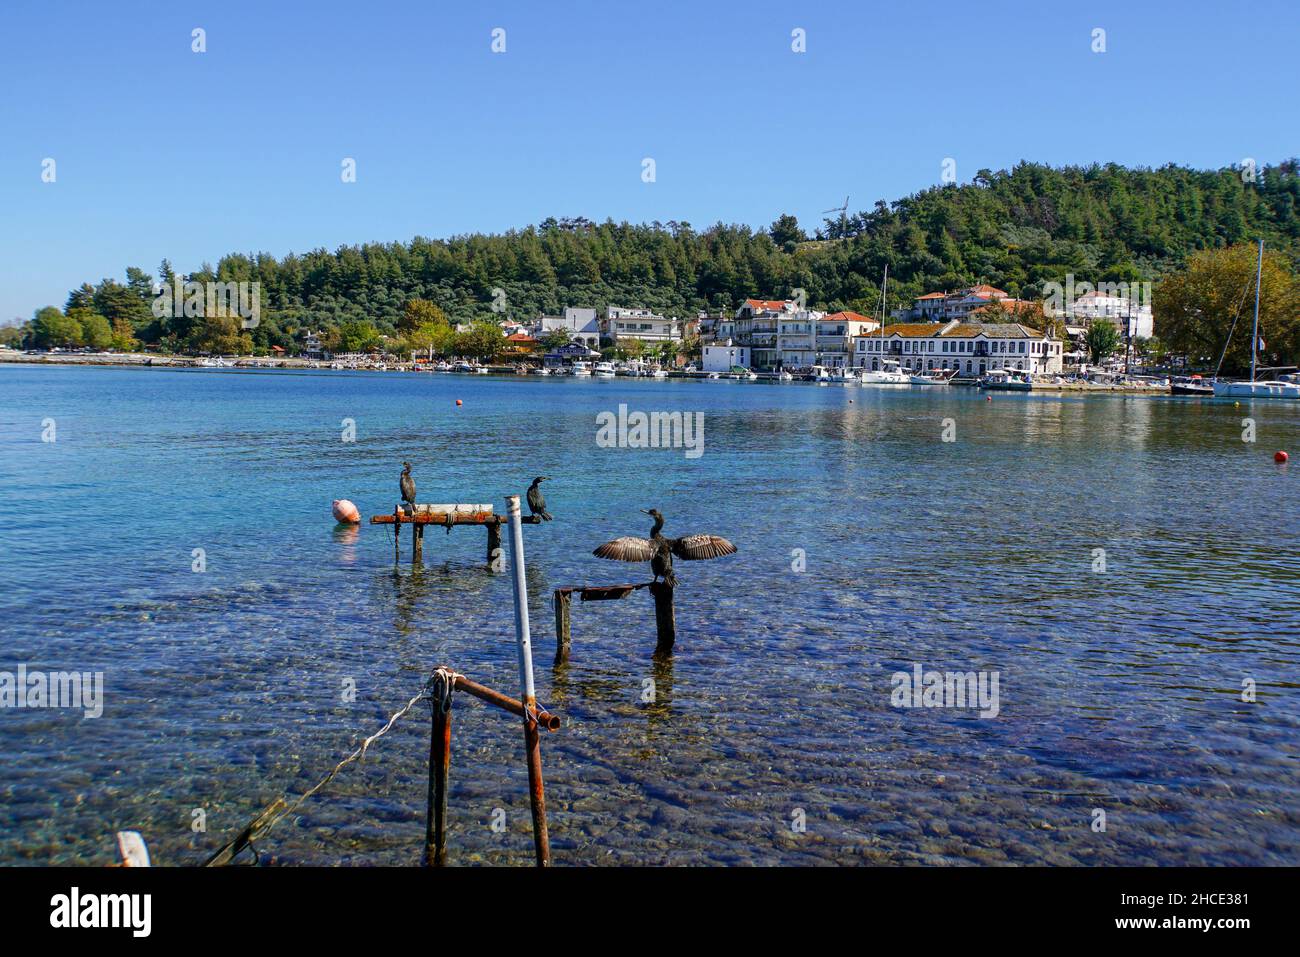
(536, 790)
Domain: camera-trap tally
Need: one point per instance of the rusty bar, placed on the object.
(537, 794)
(562, 626)
(606, 592)
(495, 556)
(551, 722)
(441, 518)
(665, 618)
(435, 837)
(397, 531)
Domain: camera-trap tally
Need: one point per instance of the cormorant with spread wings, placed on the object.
(659, 550)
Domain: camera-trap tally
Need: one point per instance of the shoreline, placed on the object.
(290, 363)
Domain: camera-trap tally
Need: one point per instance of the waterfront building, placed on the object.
(807, 338)
(623, 325)
(580, 323)
(313, 346)
(971, 348)
(757, 327)
(721, 356)
(1129, 317)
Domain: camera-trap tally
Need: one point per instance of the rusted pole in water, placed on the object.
(495, 556)
(665, 618)
(536, 788)
(562, 626)
(397, 532)
(435, 834)
(417, 544)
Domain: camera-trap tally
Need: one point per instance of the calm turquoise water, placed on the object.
(1119, 691)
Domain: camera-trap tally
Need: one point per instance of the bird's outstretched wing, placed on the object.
(697, 547)
(629, 548)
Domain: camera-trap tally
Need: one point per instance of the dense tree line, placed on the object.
(1016, 229)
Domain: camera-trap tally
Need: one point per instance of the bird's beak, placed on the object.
(644, 510)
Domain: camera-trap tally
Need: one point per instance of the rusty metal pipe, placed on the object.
(551, 722)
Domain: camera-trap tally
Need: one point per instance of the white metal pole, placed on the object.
(521, 604)
(1254, 334)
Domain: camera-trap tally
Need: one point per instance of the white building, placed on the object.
(972, 348)
(721, 356)
(581, 325)
(756, 325)
(622, 325)
(1131, 318)
(807, 338)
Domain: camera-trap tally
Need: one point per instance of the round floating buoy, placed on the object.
(1280, 457)
(345, 511)
(458, 401)
(988, 398)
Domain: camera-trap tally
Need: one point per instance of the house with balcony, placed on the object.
(1132, 319)
(581, 324)
(644, 325)
(969, 348)
(944, 306)
(807, 338)
(757, 326)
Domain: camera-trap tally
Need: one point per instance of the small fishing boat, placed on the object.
(924, 379)
(1005, 380)
(659, 374)
(580, 368)
(539, 370)
(604, 370)
(1190, 385)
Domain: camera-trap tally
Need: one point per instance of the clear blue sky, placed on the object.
(164, 152)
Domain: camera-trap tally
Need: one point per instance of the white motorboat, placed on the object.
(927, 379)
(540, 370)
(604, 370)
(891, 374)
(784, 376)
(580, 368)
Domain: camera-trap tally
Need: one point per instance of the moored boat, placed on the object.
(1005, 380)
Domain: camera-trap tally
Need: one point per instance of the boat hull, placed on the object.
(1257, 390)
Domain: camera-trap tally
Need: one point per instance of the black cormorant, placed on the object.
(659, 550)
(537, 504)
(407, 486)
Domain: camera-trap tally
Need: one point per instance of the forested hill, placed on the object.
(1015, 229)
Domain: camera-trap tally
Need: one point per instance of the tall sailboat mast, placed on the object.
(1254, 333)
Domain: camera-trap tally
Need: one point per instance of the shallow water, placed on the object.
(1119, 690)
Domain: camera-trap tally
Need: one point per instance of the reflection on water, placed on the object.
(225, 689)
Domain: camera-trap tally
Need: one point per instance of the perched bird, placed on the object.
(537, 504)
(659, 550)
(407, 487)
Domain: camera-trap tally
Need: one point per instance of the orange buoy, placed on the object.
(345, 511)
(1280, 457)
(458, 401)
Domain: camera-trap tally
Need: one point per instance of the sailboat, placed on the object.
(891, 374)
(1255, 389)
